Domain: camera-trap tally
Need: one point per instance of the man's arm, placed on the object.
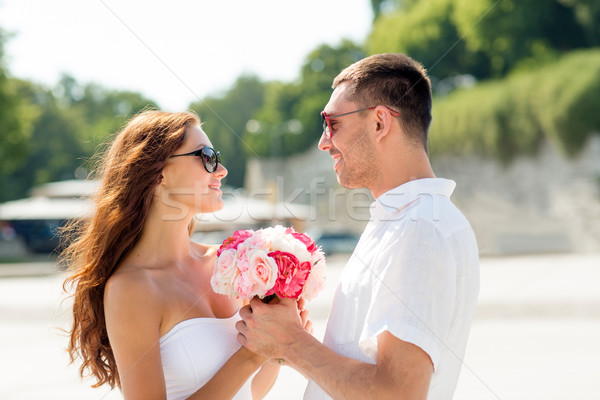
(403, 370)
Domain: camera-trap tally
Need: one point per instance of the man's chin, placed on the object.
(345, 183)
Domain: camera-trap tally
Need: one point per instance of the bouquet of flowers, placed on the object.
(271, 261)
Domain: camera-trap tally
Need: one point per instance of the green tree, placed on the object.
(509, 32)
(557, 103)
(224, 121)
(102, 111)
(485, 38)
(380, 7)
(54, 151)
(16, 120)
(71, 120)
(587, 14)
(289, 121)
(427, 33)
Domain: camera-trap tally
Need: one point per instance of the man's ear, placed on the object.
(383, 120)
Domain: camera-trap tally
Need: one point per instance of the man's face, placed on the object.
(350, 144)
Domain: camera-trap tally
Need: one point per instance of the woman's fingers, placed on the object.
(301, 303)
(304, 317)
(306, 322)
(308, 327)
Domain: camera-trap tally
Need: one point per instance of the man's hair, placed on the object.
(396, 81)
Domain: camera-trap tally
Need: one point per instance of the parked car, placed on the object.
(337, 242)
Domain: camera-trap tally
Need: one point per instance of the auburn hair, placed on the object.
(129, 171)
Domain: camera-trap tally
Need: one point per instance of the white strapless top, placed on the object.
(194, 350)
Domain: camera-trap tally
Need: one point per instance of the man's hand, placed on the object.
(267, 329)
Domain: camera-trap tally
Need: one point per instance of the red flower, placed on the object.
(233, 241)
(292, 275)
(308, 242)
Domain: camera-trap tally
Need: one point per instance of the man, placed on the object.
(401, 315)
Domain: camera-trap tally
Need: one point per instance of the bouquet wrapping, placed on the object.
(271, 261)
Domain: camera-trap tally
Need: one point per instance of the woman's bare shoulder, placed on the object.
(131, 285)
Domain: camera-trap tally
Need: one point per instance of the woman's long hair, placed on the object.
(129, 172)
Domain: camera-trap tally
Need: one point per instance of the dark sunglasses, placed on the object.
(327, 124)
(210, 158)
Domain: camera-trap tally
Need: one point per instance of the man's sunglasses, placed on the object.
(327, 124)
(210, 158)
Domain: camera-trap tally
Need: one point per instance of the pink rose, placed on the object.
(258, 277)
(233, 241)
(315, 282)
(275, 260)
(292, 274)
(262, 272)
(258, 240)
(308, 242)
(242, 257)
(242, 286)
(224, 272)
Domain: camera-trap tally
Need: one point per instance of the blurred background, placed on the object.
(516, 124)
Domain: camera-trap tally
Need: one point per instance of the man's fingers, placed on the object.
(241, 339)
(288, 302)
(245, 311)
(241, 326)
(256, 304)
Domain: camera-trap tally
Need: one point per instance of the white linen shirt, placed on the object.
(414, 273)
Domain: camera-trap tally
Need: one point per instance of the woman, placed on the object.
(145, 317)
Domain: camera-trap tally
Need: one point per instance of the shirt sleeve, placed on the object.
(413, 289)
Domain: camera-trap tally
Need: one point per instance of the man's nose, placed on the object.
(324, 142)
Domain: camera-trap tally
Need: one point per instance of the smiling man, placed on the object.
(402, 312)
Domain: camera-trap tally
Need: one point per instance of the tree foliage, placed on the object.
(67, 124)
(224, 121)
(15, 120)
(289, 122)
(502, 118)
(428, 34)
(485, 38)
(551, 91)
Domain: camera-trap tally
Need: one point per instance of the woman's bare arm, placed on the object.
(133, 316)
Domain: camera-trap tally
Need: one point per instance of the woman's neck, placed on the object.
(162, 241)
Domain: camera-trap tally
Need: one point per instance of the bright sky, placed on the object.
(177, 51)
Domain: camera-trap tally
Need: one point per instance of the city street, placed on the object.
(535, 335)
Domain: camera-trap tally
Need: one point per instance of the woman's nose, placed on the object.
(221, 171)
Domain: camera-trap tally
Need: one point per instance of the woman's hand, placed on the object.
(304, 316)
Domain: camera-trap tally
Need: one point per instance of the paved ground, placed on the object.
(536, 333)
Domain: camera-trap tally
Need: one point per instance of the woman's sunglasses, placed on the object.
(210, 158)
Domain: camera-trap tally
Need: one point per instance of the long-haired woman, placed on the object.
(144, 316)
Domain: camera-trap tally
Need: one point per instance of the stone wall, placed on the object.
(534, 204)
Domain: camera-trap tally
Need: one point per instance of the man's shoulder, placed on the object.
(439, 213)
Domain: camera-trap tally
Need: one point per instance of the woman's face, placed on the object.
(187, 187)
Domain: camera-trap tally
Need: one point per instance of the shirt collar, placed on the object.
(400, 196)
